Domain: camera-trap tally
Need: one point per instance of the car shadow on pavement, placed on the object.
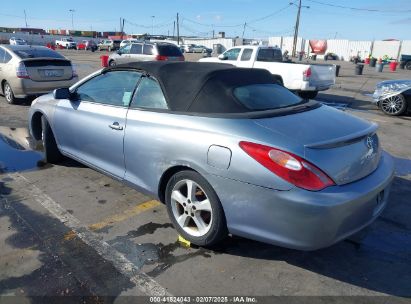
(40, 262)
(350, 102)
(377, 258)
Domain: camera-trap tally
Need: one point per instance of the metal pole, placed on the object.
(178, 31)
(297, 24)
(25, 17)
(245, 24)
(174, 29)
(72, 18)
(152, 25)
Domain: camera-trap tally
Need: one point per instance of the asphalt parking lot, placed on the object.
(68, 230)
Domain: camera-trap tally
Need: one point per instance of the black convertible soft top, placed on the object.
(201, 87)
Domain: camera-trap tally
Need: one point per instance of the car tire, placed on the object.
(52, 153)
(8, 93)
(202, 227)
(112, 63)
(408, 65)
(394, 105)
(308, 94)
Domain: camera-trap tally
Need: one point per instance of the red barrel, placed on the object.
(393, 66)
(367, 61)
(104, 60)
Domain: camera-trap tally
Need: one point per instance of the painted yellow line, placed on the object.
(124, 215)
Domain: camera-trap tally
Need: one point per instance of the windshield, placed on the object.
(257, 97)
(37, 53)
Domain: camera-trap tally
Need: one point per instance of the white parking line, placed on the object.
(144, 282)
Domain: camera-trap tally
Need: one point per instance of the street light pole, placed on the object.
(152, 25)
(72, 19)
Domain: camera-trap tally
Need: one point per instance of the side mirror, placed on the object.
(62, 93)
(119, 52)
(222, 57)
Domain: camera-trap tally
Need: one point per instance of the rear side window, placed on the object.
(149, 95)
(37, 53)
(246, 55)
(148, 49)
(270, 55)
(232, 54)
(169, 50)
(2, 53)
(136, 49)
(112, 88)
(7, 57)
(257, 97)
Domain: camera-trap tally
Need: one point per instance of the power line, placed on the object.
(270, 15)
(360, 9)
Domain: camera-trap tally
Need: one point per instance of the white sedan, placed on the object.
(17, 41)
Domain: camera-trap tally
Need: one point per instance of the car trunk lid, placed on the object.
(346, 148)
(48, 69)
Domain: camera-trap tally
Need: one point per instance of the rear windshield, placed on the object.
(257, 97)
(269, 55)
(169, 50)
(37, 53)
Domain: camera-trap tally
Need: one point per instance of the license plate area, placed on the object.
(49, 73)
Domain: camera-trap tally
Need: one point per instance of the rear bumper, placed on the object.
(303, 219)
(310, 86)
(26, 87)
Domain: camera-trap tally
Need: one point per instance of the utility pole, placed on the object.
(245, 24)
(178, 31)
(25, 18)
(297, 25)
(174, 29)
(72, 18)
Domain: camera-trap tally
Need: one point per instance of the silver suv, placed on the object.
(146, 51)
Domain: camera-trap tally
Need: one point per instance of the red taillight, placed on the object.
(161, 58)
(288, 166)
(307, 74)
(21, 71)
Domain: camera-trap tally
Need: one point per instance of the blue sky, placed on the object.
(384, 19)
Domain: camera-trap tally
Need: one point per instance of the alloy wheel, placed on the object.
(393, 105)
(7, 92)
(191, 208)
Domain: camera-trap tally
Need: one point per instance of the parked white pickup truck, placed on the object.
(304, 79)
(67, 43)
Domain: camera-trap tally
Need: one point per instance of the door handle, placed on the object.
(116, 126)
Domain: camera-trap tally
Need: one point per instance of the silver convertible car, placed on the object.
(228, 150)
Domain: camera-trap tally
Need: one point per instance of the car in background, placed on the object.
(227, 150)
(405, 61)
(187, 48)
(330, 56)
(109, 45)
(17, 41)
(305, 79)
(146, 51)
(88, 45)
(128, 41)
(66, 43)
(201, 49)
(32, 70)
(393, 97)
